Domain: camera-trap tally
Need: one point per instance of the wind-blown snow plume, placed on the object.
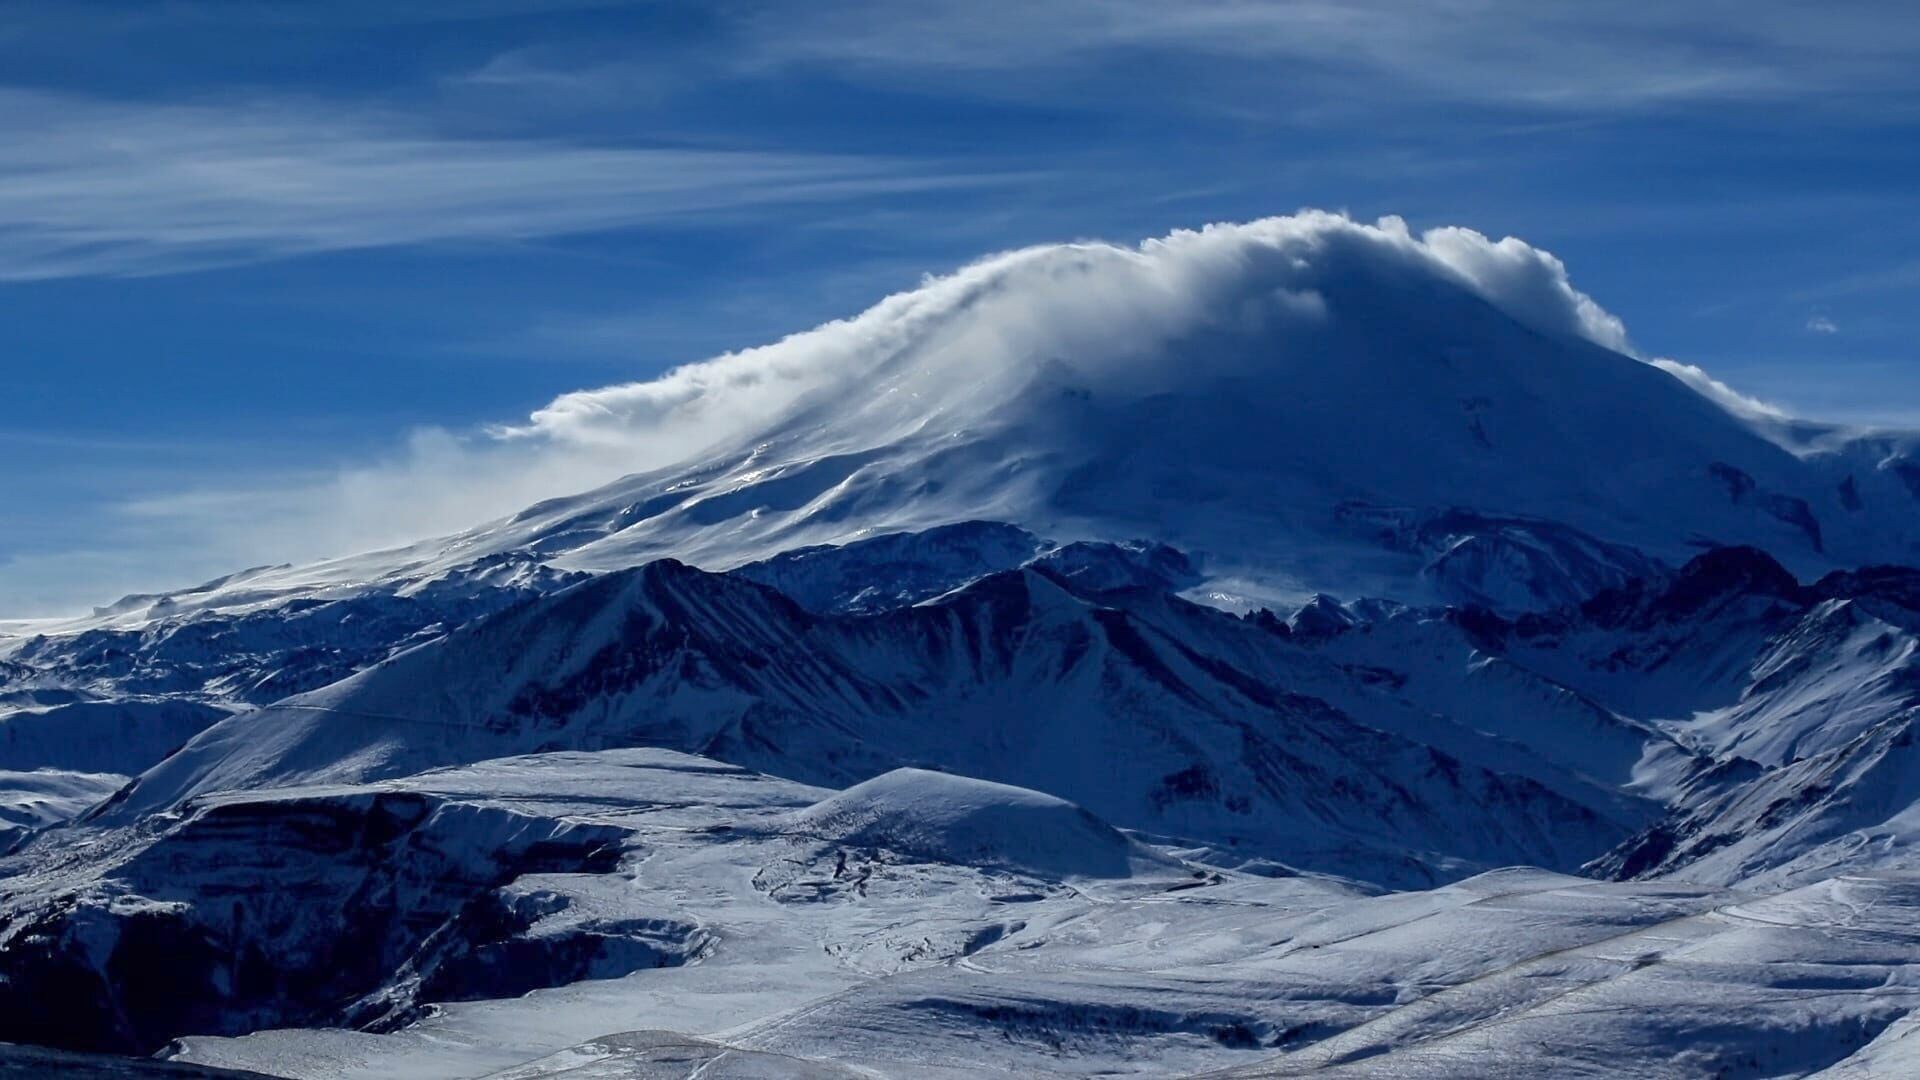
(945, 351)
(1735, 402)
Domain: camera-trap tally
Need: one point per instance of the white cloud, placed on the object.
(1899, 277)
(91, 187)
(1820, 324)
(1741, 405)
(1089, 305)
(1529, 283)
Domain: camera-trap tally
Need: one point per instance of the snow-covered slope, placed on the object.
(348, 904)
(938, 817)
(36, 799)
(730, 920)
(1801, 697)
(231, 642)
(62, 750)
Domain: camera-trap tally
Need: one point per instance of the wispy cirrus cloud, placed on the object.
(25, 17)
(1901, 277)
(91, 187)
(1556, 54)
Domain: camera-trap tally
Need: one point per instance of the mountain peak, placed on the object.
(1734, 568)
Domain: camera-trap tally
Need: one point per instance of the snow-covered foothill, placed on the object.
(938, 817)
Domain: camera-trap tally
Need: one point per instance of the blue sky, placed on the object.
(249, 248)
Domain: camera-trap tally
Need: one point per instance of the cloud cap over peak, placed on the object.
(1089, 304)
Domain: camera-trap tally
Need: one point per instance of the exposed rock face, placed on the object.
(329, 907)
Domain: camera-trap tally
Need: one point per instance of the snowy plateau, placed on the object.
(1300, 647)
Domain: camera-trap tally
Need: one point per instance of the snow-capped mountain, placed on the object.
(1052, 669)
(1303, 404)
